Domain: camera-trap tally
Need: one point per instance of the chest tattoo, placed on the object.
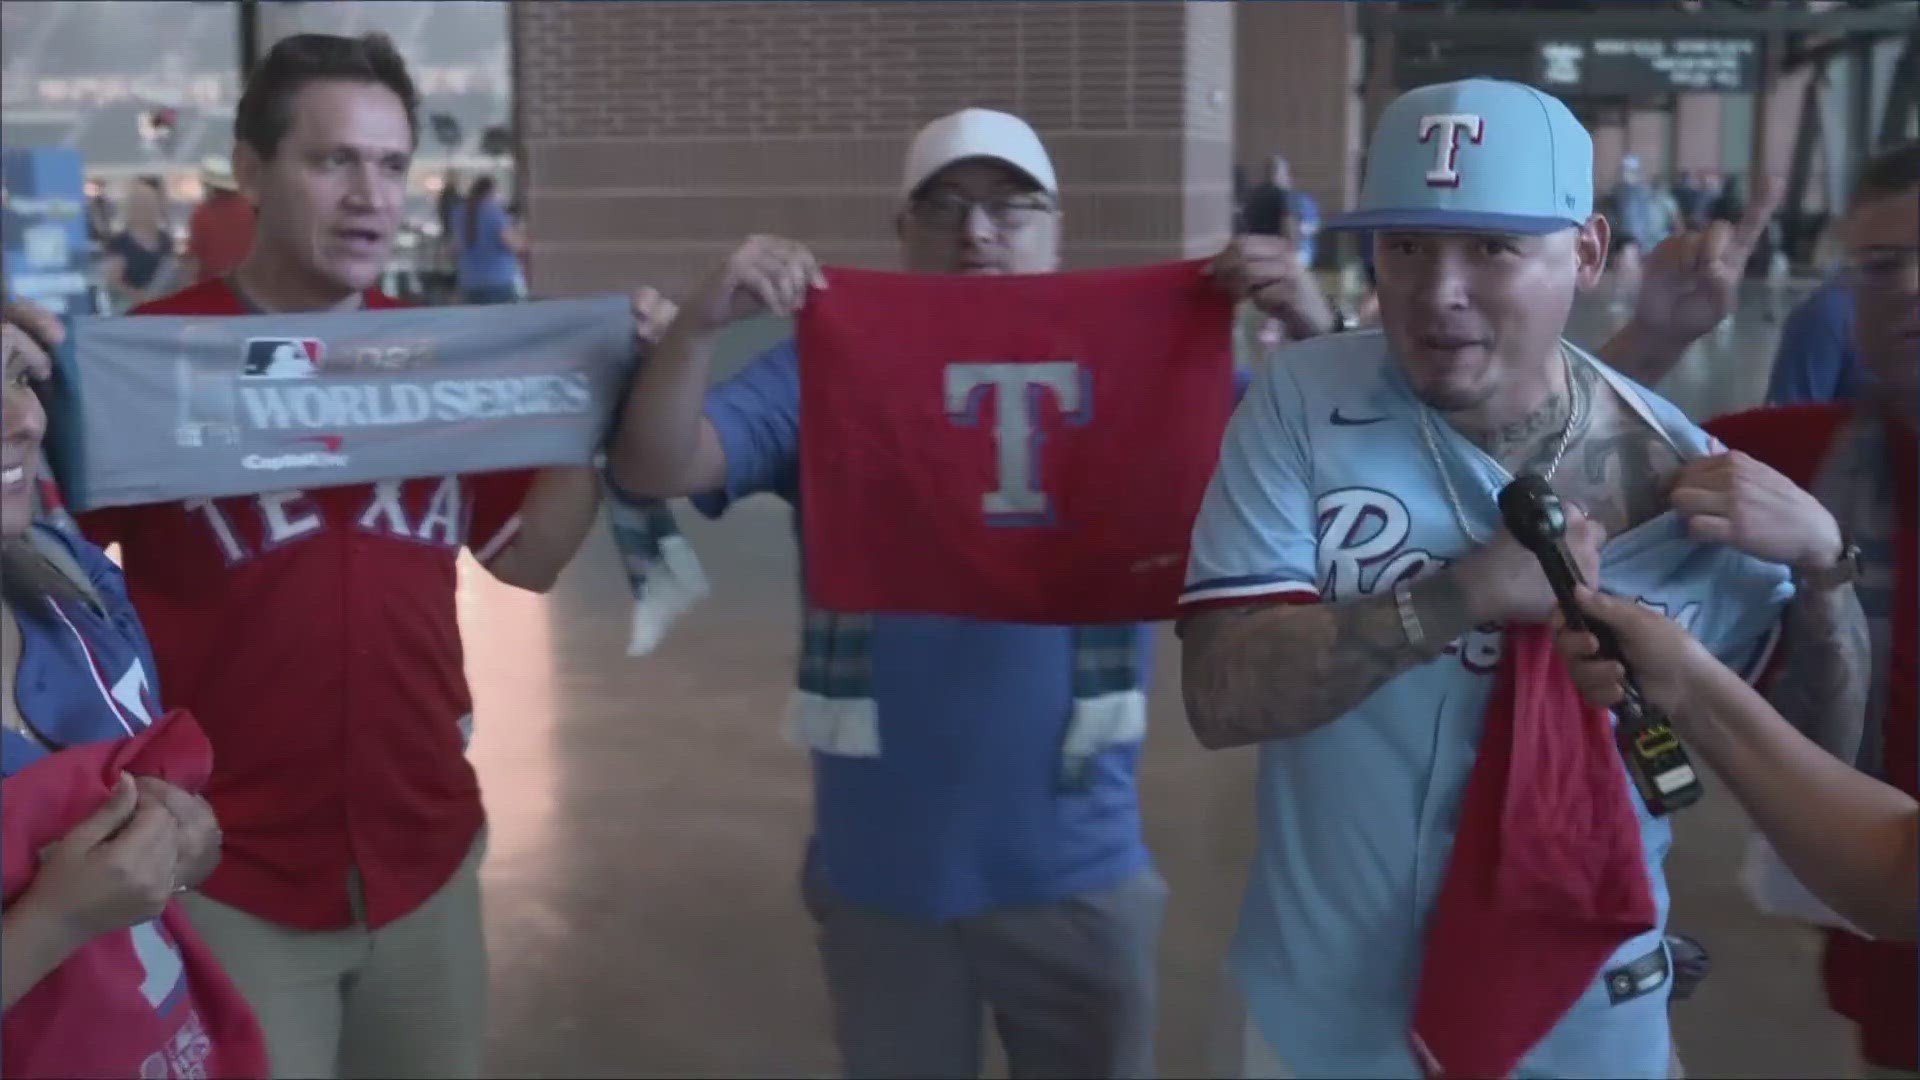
(1621, 469)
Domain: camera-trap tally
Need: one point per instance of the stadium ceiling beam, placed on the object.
(1417, 20)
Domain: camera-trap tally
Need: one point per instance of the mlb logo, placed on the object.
(283, 358)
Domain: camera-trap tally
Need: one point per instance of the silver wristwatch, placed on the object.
(1409, 618)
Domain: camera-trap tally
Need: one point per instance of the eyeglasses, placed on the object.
(1885, 269)
(948, 210)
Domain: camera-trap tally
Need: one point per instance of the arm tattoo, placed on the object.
(1253, 674)
(1826, 668)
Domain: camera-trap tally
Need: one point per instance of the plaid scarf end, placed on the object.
(840, 726)
(1099, 724)
(671, 584)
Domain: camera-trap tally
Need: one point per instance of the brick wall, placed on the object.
(657, 135)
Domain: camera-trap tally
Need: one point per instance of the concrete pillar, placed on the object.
(657, 136)
(1839, 142)
(1298, 88)
(1609, 146)
(1778, 123)
(1776, 119)
(1882, 61)
(1647, 134)
(1697, 133)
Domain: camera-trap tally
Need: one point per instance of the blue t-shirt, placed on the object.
(1816, 362)
(87, 676)
(485, 259)
(962, 812)
(1637, 216)
(86, 673)
(1307, 209)
(1326, 489)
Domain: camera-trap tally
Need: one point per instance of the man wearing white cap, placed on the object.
(220, 232)
(950, 875)
(1357, 609)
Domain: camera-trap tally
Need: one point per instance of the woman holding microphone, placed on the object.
(1851, 839)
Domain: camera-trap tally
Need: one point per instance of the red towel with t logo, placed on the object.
(1025, 448)
(148, 1001)
(1547, 877)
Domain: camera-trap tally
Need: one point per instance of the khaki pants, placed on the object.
(406, 1000)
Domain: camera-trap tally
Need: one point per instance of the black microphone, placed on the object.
(1655, 758)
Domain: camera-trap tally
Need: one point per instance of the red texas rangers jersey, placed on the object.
(313, 635)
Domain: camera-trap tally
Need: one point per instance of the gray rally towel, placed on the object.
(165, 408)
(162, 408)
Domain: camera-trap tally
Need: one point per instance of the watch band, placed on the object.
(1844, 571)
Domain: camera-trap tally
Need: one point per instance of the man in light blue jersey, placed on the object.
(1350, 576)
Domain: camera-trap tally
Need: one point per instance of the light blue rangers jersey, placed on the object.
(1327, 489)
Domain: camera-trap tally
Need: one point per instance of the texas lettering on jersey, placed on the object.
(285, 517)
(1363, 550)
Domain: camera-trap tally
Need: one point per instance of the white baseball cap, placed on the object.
(217, 172)
(977, 133)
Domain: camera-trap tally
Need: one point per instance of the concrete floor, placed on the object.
(648, 822)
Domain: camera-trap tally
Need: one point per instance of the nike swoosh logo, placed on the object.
(1361, 421)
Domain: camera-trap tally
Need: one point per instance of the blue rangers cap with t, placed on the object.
(1478, 155)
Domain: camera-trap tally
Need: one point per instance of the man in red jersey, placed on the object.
(313, 633)
(220, 232)
(1859, 461)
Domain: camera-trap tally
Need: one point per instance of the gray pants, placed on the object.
(1069, 984)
